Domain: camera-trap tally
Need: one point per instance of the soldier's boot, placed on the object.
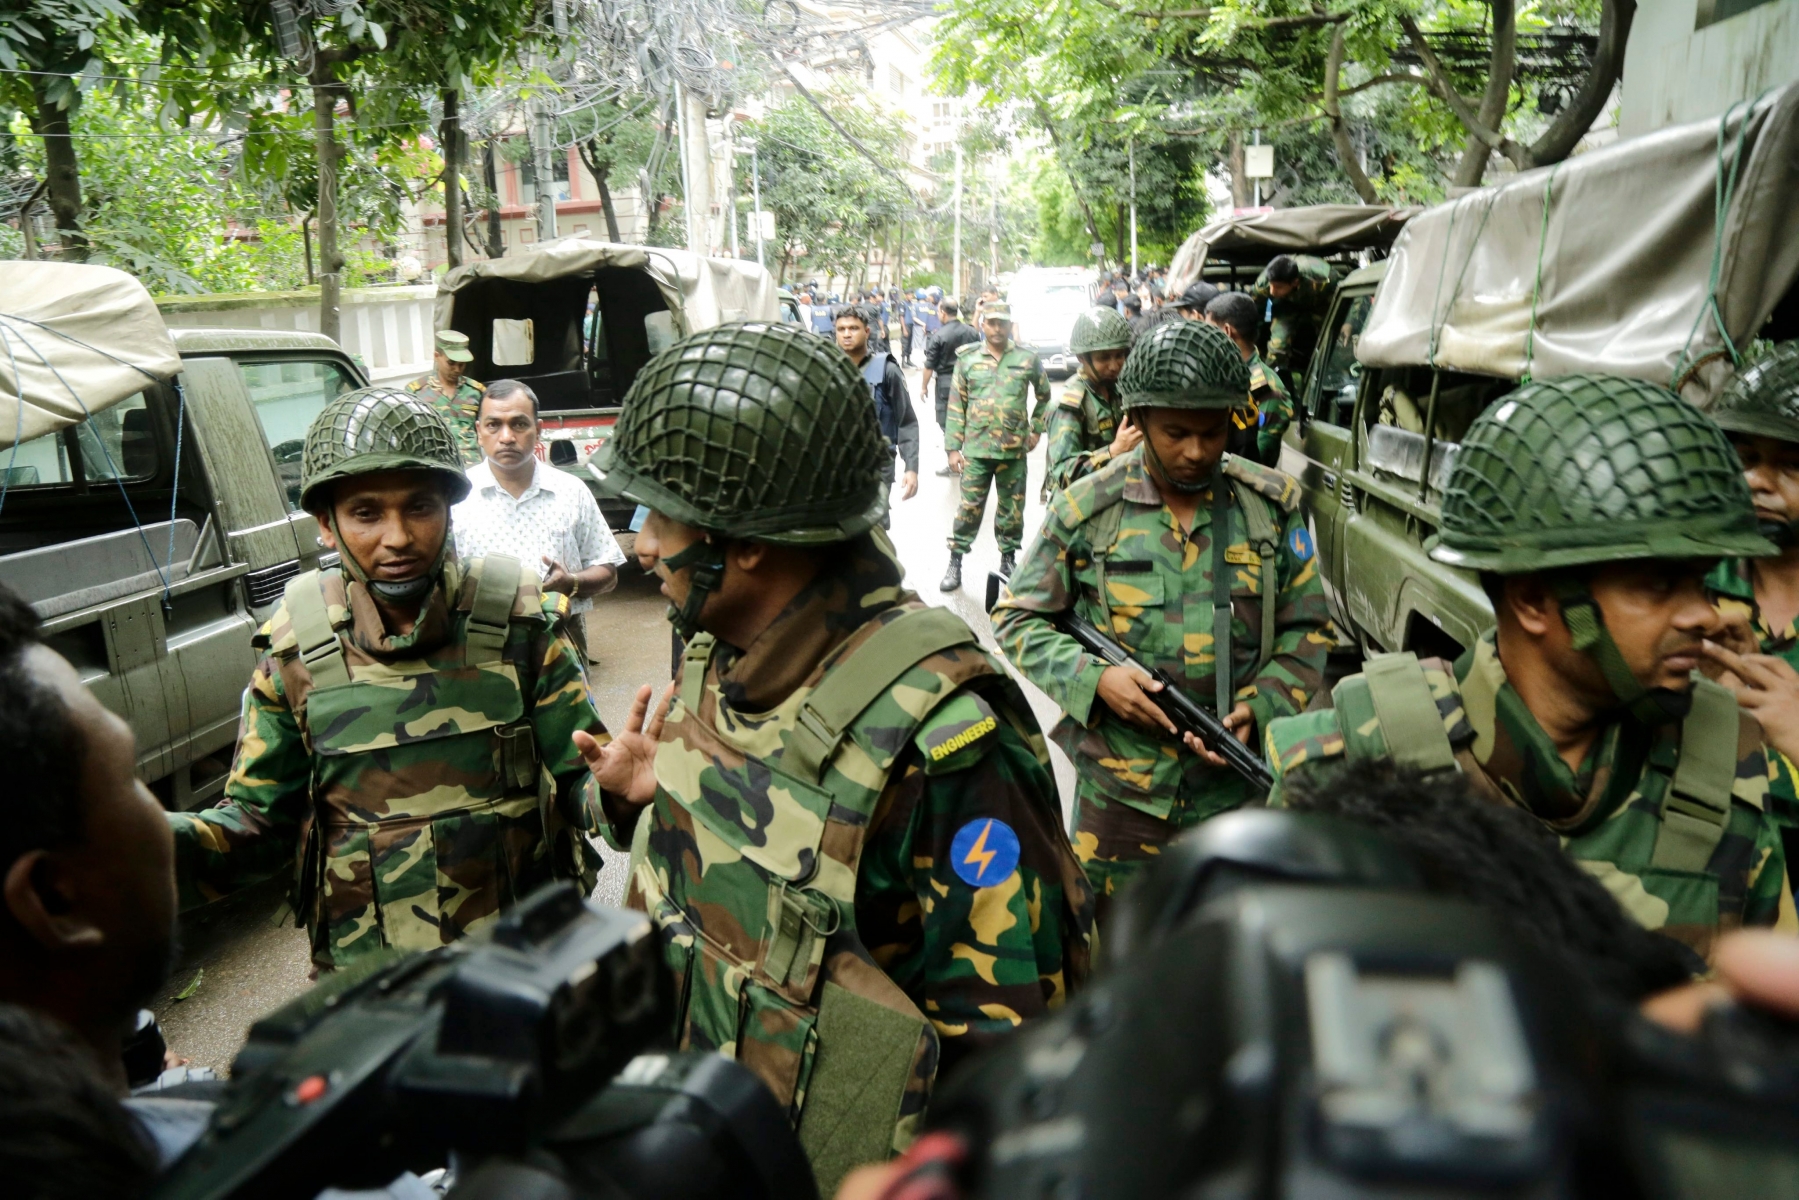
(952, 578)
(1007, 562)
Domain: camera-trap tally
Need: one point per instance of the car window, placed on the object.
(287, 396)
(114, 444)
(1341, 373)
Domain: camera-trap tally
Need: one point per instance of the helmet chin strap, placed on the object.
(399, 591)
(707, 558)
(1784, 534)
(1580, 613)
(1162, 475)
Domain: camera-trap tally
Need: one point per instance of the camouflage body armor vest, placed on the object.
(762, 930)
(431, 809)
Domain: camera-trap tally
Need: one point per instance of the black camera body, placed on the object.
(1291, 1037)
(485, 1053)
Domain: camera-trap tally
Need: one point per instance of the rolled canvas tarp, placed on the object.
(1618, 271)
(1314, 229)
(74, 340)
(701, 292)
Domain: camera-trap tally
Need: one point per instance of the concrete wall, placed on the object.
(1674, 73)
(388, 328)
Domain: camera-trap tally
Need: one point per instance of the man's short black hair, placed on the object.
(63, 1135)
(502, 389)
(1282, 269)
(1506, 861)
(39, 742)
(948, 308)
(1133, 303)
(854, 312)
(1236, 310)
(1198, 294)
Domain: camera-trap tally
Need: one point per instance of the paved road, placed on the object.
(255, 960)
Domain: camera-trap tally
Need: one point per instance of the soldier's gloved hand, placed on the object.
(625, 767)
(1128, 437)
(1767, 688)
(1240, 722)
(1127, 693)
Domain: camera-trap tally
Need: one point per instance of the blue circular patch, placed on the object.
(1302, 544)
(984, 852)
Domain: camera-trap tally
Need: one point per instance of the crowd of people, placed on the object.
(840, 812)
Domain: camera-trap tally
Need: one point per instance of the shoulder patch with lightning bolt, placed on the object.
(984, 852)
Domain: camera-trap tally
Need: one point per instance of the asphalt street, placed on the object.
(245, 952)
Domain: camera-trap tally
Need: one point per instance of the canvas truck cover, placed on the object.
(1314, 229)
(701, 292)
(1618, 273)
(74, 340)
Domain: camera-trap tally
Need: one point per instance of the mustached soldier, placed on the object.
(1191, 558)
(1085, 428)
(845, 827)
(1592, 506)
(409, 728)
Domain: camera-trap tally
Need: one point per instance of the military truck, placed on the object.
(154, 533)
(1229, 253)
(1574, 268)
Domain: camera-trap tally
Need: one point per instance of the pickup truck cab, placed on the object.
(154, 537)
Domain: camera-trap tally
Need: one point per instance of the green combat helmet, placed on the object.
(1099, 329)
(377, 429)
(749, 430)
(1588, 469)
(1763, 401)
(1183, 364)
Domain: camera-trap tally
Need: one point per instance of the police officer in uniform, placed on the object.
(1593, 507)
(407, 736)
(887, 384)
(1085, 431)
(456, 397)
(845, 826)
(1190, 558)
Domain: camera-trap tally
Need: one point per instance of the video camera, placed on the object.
(1290, 1014)
(525, 1061)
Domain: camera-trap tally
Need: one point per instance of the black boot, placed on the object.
(1007, 562)
(952, 578)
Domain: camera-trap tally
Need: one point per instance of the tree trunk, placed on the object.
(1124, 232)
(1234, 163)
(1055, 139)
(331, 260)
(61, 171)
(1346, 155)
(490, 171)
(306, 247)
(600, 167)
(1572, 123)
(450, 137)
(1473, 167)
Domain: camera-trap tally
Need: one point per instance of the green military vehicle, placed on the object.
(1574, 268)
(153, 518)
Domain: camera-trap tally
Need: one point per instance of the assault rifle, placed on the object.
(1188, 715)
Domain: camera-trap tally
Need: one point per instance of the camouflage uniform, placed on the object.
(422, 781)
(854, 852)
(1667, 811)
(1112, 530)
(1274, 408)
(1085, 418)
(988, 424)
(1293, 328)
(459, 410)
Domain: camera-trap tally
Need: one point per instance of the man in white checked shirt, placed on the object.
(519, 506)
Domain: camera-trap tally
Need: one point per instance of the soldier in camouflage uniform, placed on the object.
(989, 434)
(456, 398)
(1295, 291)
(1235, 313)
(845, 826)
(407, 735)
(1188, 557)
(1084, 428)
(1592, 506)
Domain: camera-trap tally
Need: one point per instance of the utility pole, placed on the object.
(696, 171)
(955, 283)
(541, 163)
(992, 223)
(1258, 184)
(756, 193)
(1133, 154)
(730, 146)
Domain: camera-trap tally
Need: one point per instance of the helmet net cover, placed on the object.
(375, 429)
(1099, 329)
(1184, 364)
(1763, 399)
(1590, 469)
(752, 430)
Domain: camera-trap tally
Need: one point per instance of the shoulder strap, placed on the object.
(1697, 807)
(826, 715)
(1265, 537)
(496, 591)
(694, 658)
(320, 649)
(1102, 533)
(1223, 672)
(1409, 720)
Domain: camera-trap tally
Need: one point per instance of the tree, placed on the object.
(614, 137)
